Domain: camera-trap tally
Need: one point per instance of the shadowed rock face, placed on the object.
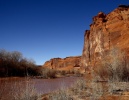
(66, 63)
(106, 31)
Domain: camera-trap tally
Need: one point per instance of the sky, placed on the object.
(45, 29)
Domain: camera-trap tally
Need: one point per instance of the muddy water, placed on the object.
(48, 85)
(11, 88)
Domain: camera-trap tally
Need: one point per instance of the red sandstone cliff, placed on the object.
(63, 64)
(105, 32)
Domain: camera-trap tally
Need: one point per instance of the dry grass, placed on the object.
(79, 86)
(48, 73)
(18, 90)
(76, 92)
(115, 70)
(27, 92)
(3, 85)
(97, 90)
(62, 94)
(71, 72)
(110, 80)
(114, 67)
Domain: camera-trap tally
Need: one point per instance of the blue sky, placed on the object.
(45, 29)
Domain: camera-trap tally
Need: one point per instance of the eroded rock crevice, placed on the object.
(106, 31)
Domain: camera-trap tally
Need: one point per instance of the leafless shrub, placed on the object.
(24, 90)
(77, 73)
(14, 64)
(118, 68)
(114, 67)
(115, 87)
(101, 73)
(48, 73)
(97, 90)
(80, 84)
(18, 90)
(3, 86)
(61, 94)
(76, 92)
(63, 72)
(79, 89)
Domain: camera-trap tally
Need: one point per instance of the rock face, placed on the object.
(105, 32)
(64, 64)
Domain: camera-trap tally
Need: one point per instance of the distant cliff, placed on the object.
(106, 31)
(63, 64)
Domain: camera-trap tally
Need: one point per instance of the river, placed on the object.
(10, 87)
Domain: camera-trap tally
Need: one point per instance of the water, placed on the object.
(10, 87)
(48, 85)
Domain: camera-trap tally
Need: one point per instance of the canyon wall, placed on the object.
(106, 31)
(63, 64)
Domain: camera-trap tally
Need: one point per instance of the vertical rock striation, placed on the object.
(106, 31)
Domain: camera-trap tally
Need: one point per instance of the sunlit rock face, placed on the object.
(106, 31)
(63, 63)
